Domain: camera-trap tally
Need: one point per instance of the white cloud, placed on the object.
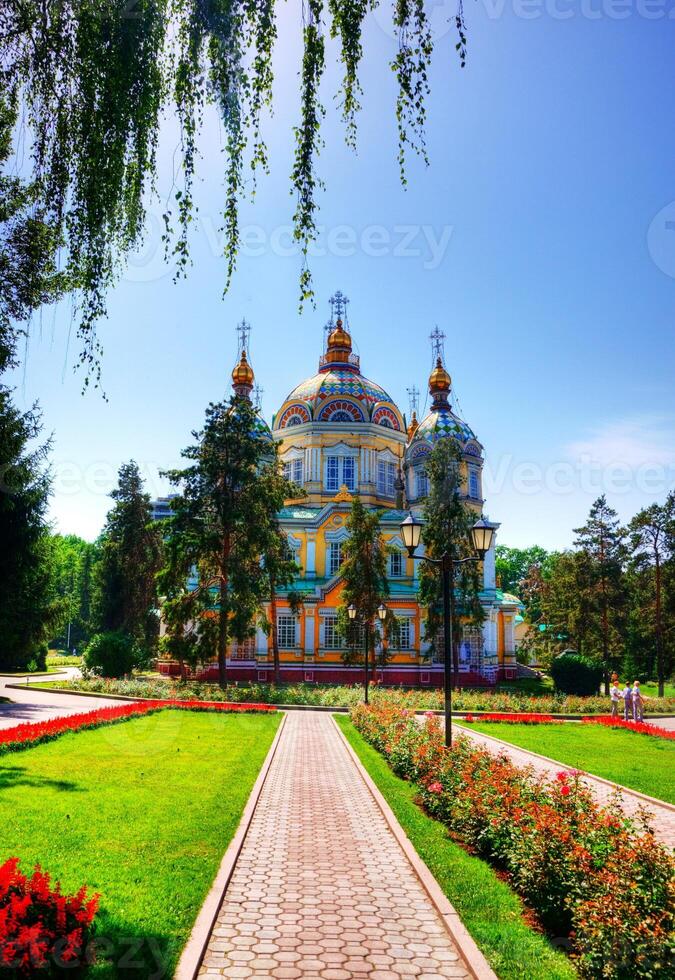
(646, 440)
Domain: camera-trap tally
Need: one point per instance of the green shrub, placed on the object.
(38, 660)
(114, 654)
(573, 674)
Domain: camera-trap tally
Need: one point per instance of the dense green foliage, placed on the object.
(114, 654)
(640, 762)
(447, 530)
(130, 556)
(611, 598)
(140, 813)
(30, 609)
(491, 911)
(573, 674)
(96, 79)
(223, 521)
(348, 695)
(73, 560)
(364, 574)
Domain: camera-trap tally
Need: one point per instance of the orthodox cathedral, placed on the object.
(340, 434)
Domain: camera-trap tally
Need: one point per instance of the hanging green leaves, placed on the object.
(95, 76)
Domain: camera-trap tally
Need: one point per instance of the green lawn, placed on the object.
(640, 762)
(140, 811)
(490, 910)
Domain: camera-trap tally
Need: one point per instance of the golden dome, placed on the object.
(339, 338)
(243, 373)
(439, 379)
(414, 425)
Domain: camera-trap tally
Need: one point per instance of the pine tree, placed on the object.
(602, 541)
(364, 576)
(652, 541)
(29, 607)
(278, 562)
(223, 522)
(130, 555)
(447, 530)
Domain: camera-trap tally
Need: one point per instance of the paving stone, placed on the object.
(663, 819)
(321, 889)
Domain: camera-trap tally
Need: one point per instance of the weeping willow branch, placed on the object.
(95, 77)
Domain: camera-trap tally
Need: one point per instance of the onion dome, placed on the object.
(242, 382)
(242, 377)
(339, 350)
(414, 425)
(439, 384)
(441, 420)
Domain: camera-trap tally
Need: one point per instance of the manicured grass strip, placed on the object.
(490, 910)
(637, 761)
(141, 812)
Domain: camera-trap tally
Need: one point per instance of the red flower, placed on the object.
(565, 790)
(435, 787)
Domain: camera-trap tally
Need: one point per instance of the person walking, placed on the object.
(638, 702)
(627, 695)
(615, 697)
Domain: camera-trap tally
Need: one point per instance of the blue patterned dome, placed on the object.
(440, 423)
(338, 395)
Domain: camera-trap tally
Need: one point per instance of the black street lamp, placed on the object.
(351, 612)
(481, 535)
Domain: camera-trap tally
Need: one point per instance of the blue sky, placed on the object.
(539, 240)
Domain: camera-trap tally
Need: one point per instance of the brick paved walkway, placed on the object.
(663, 816)
(321, 888)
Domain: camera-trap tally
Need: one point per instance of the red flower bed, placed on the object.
(642, 727)
(590, 873)
(524, 719)
(40, 928)
(25, 735)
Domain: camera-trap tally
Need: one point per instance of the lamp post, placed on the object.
(481, 536)
(351, 612)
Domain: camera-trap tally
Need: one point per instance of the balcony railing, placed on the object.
(350, 359)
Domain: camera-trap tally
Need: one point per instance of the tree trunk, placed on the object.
(455, 632)
(659, 643)
(275, 635)
(223, 613)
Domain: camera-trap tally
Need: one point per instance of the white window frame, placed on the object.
(386, 478)
(243, 651)
(333, 473)
(332, 567)
(474, 483)
(421, 483)
(285, 624)
(404, 640)
(396, 566)
(331, 638)
(340, 469)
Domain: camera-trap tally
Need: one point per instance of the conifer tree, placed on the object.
(364, 575)
(447, 529)
(130, 556)
(279, 565)
(652, 541)
(214, 581)
(602, 541)
(29, 607)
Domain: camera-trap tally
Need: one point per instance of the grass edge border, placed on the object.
(474, 959)
(195, 948)
(563, 765)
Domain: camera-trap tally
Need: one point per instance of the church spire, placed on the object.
(439, 379)
(242, 375)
